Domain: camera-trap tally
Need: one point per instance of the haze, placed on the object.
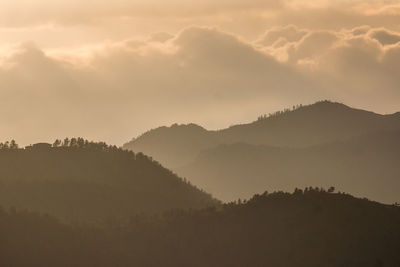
(199, 133)
(110, 70)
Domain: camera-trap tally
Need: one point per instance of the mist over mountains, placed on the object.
(321, 144)
(81, 203)
(366, 166)
(199, 134)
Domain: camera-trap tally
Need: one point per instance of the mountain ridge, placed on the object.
(302, 126)
(310, 227)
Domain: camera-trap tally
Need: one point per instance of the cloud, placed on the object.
(356, 66)
(73, 23)
(385, 37)
(312, 46)
(201, 75)
(116, 90)
(160, 37)
(234, 15)
(335, 15)
(288, 33)
(21, 13)
(361, 30)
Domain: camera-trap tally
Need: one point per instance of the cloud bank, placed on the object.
(115, 90)
(72, 22)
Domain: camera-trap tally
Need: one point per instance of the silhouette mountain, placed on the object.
(306, 228)
(366, 165)
(91, 181)
(303, 126)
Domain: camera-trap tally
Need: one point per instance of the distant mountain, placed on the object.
(174, 146)
(310, 228)
(321, 122)
(366, 165)
(91, 181)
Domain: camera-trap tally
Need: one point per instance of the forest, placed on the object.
(310, 227)
(83, 181)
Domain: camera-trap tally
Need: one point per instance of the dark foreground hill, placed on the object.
(91, 181)
(311, 228)
(367, 165)
(303, 126)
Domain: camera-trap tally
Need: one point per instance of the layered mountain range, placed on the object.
(322, 144)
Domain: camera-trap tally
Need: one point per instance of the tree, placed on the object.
(80, 142)
(6, 145)
(13, 144)
(298, 191)
(73, 142)
(57, 143)
(66, 142)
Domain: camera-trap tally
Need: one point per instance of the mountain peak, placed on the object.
(329, 103)
(173, 128)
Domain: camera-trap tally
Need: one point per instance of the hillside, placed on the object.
(91, 181)
(310, 228)
(367, 165)
(319, 123)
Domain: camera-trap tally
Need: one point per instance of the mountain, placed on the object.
(366, 165)
(306, 228)
(303, 126)
(173, 146)
(91, 181)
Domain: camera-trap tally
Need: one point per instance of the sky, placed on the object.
(112, 69)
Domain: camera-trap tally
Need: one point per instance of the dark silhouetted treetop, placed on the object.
(9, 145)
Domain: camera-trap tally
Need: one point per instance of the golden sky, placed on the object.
(110, 70)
